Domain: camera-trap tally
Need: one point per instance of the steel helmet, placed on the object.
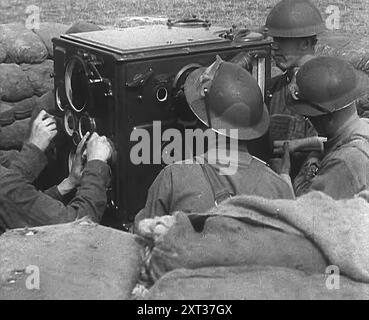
(225, 96)
(328, 84)
(294, 19)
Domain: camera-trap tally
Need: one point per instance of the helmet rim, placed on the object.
(198, 105)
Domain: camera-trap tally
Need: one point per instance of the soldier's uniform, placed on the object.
(344, 170)
(185, 187)
(16, 159)
(328, 85)
(233, 100)
(21, 205)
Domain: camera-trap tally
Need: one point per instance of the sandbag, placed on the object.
(19, 111)
(49, 30)
(2, 53)
(46, 102)
(14, 83)
(15, 119)
(4, 106)
(225, 241)
(7, 118)
(39, 76)
(252, 283)
(30, 107)
(13, 136)
(338, 227)
(79, 260)
(21, 44)
(22, 109)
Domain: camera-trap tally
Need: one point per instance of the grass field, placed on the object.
(354, 13)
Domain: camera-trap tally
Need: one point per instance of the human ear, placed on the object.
(304, 45)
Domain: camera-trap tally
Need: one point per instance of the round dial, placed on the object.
(86, 124)
(70, 123)
(76, 84)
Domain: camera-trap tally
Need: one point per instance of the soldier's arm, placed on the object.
(22, 205)
(6, 157)
(29, 162)
(336, 180)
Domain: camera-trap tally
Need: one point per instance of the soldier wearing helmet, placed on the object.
(294, 26)
(223, 96)
(327, 89)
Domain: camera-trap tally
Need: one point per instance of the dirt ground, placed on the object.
(119, 13)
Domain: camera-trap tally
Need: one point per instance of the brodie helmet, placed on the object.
(294, 19)
(328, 84)
(225, 96)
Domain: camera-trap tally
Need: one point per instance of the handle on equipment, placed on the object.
(192, 22)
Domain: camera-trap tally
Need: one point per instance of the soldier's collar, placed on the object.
(342, 134)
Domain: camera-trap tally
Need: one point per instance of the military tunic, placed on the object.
(344, 169)
(184, 187)
(21, 205)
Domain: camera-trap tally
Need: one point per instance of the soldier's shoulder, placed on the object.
(181, 166)
(264, 167)
(355, 152)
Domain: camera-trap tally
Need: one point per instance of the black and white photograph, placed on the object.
(184, 155)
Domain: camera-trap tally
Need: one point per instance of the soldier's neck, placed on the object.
(343, 127)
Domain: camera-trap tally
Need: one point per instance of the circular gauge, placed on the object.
(181, 107)
(58, 100)
(70, 123)
(76, 84)
(162, 94)
(182, 75)
(86, 124)
(76, 138)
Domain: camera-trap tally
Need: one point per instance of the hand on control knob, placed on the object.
(99, 148)
(43, 130)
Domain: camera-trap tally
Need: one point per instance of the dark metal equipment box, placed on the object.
(116, 81)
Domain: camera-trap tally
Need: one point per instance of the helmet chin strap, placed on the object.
(206, 92)
(319, 108)
(206, 80)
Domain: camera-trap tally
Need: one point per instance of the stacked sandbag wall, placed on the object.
(75, 261)
(26, 82)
